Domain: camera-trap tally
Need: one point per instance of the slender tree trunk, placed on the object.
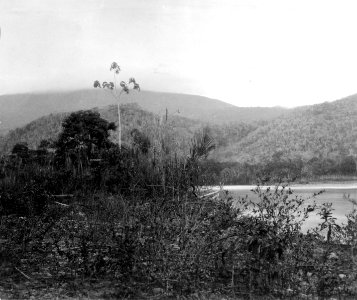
(119, 126)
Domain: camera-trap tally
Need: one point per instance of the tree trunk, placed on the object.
(119, 126)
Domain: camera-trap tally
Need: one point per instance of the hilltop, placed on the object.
(20, 109)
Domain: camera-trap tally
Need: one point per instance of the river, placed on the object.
(333, 192)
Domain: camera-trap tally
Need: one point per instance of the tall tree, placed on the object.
(117, 91)
(84, 131)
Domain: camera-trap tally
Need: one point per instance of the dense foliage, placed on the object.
(139, 220)
(280, 168)
(133, 117)
(323, 131)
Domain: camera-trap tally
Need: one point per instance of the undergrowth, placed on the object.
(137, 223)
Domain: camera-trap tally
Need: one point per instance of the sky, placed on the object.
(244, 52)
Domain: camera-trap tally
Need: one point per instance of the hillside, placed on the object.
(18, 110)
(179, 129)
(325, 130)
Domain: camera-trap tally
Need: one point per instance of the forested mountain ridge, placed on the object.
(322, 131)
(327, 130)
(18, 110)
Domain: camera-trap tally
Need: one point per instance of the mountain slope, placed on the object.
(179, 130)
(325, 130)
(18, 110)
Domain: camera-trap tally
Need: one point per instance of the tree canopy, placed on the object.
(85, 131)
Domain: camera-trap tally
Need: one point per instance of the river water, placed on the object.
(333, 192)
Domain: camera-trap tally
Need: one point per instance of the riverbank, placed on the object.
(297, 186)
(335, 193)
(328, 179)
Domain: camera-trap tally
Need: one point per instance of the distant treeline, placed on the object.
(279, 169)
(213, 172)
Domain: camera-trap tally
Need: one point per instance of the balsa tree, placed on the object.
(117, 90)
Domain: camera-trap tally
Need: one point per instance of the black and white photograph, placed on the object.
(178, 149)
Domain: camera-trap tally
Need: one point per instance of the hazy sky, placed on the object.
(246, 52)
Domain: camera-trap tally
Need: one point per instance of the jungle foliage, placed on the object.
(323, 131)
(80, 210)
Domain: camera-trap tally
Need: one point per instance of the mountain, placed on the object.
(327, 130)
(20, 109)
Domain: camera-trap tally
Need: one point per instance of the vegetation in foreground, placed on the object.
(81, 215)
